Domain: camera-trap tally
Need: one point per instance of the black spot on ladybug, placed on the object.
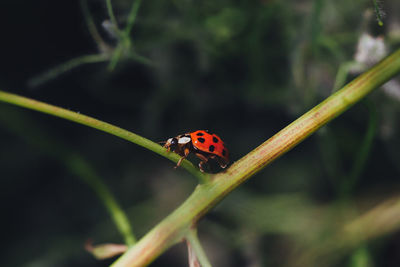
(199, 134)
(215, 139)
(201, 140)
(211, 148)
(223, 152)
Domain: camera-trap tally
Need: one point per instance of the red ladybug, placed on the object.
(203, 144)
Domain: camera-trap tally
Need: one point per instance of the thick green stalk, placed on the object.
(173, 228)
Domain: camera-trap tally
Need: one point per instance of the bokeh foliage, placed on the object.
(244, 69)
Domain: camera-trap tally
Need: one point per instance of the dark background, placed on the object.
(243, 69)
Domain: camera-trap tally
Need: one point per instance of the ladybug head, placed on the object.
(172, 143)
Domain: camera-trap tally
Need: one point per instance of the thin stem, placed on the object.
(86, 172)
(67, 66)
(124, 44)
(111, 15)
(378, 12)
(116, 56)
(316, 25)
(132, 16)
(102, 126)
(141, 59)
(195, 247)
(76, 164)
(382, 219)
(365, 149)
(361, 257)
(173, 228)
(342, 73)
(92, 26)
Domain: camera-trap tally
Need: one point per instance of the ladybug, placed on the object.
(203, 144)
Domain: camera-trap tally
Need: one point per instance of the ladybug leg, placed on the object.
(222, 163)
(167, 146)
(203, 159)
(179, 162)
(201, 167)
(186, 152)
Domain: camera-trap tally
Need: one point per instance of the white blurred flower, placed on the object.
(110, 28)
(392, 89)
(370, 50)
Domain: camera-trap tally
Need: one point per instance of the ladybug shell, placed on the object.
(209, 143)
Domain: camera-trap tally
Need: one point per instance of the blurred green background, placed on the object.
(243, 69)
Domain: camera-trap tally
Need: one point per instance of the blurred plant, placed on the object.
(75, 164)
(378, 12)
(107, 53)
(105, 251)
(223, 31)
(213, 188)
(370, 50)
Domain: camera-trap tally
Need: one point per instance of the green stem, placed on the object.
(383, 219)
(86, 172)
(362, 155)
(91, 25)
(111, 15)
(342, 73)
(67, 66)
(76, 164)
(132, 16)
(102, 126)
(116, 56)
(173, 228)
(378, 12)
(141, 59)
(195, 246)
(124, 44)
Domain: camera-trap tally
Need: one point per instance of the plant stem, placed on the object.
(382, 219)
(18, 123)
(378, 12)
(64, 67)
(116, 56)
(362, 156)
(195, 246)
(132, 17)
(87, 173)
(125, 42)
(111, 15)
(92, 26)
(173, 228)
(102, 126)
